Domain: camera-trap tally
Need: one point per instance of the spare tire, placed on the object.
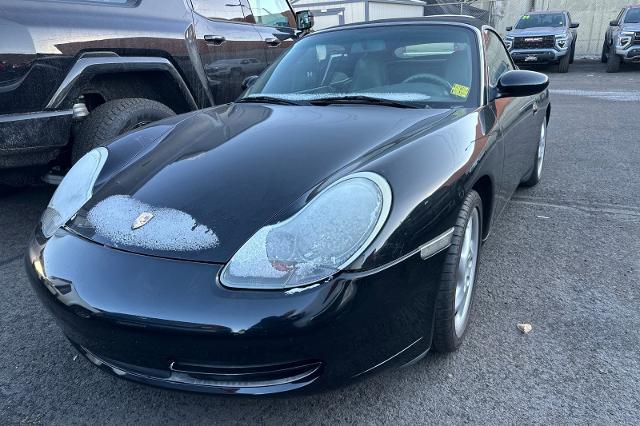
(114, 118)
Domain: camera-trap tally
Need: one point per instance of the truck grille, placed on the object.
(535, 42)
(636, 39)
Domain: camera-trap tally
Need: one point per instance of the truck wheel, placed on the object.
(573, 53)
(613, 61)
(113, 119)
(603, 58)
(455, 296)
(563, 67)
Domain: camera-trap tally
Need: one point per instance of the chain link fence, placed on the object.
(593, 15)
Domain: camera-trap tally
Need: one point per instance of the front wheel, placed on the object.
(536, 172)
(455, 296)
(614, 60)
(603, 58)
(114, 118)
(563, 67)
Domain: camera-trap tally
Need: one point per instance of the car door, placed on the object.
(515, 116)
(231, 49)
(276, 23)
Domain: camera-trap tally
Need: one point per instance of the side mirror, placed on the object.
(304, 20)
(509, 28)
(614, 23)
(574, 25)
(520, 83)
(249, 81)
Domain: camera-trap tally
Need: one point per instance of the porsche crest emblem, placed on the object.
(141, 220)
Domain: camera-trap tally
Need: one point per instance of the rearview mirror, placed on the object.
(249, 81)
(574, 25)
(614, 23)
(509, 28)
(520, 83)
(304, 20)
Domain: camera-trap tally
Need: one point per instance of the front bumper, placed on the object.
(631, 53)
(538, 56)
(170, 323)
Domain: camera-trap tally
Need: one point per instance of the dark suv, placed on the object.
(543, 38)
(76, 73)
(622, 41)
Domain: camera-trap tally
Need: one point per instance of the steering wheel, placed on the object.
(430, 78)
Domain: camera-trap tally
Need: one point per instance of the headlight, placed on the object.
(561, 40)
(625, 38)
(74, 191)
(508, 42)
(323, 238)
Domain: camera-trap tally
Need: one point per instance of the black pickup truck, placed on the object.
(76, 73)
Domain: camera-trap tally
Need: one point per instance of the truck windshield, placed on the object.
(633, 16)
(420, 66)
(553, 20)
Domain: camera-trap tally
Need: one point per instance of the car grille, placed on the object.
(535, 42)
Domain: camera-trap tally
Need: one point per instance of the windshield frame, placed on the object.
(476, 46)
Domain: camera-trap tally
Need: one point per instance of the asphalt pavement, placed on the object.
(563, 257)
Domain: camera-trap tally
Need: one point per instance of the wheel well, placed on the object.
(484, 187)
(155, 85)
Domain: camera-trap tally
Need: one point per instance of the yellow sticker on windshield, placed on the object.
(460, 91)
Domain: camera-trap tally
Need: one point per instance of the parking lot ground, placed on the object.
(563, 257)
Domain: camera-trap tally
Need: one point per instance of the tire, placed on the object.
(613, 61)
(573, 53)
(538, 160)
(563, 66)
(114, 118)
(603, 58)
(448, 330)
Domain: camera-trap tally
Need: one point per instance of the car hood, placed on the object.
(221, 174)
(537, 31)
(630, 27)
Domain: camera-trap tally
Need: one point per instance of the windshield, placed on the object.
(554, 20)
(633, 16)
(428, 65)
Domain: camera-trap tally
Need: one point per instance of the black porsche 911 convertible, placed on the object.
(324, 226)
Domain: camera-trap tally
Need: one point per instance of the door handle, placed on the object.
(535, 107)
(216, 40)
(272, 42)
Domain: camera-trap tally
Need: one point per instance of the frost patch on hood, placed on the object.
(168, 230)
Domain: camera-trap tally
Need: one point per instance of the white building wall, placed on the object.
(390, 10)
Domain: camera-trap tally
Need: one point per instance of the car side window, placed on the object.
(272, 13)
(497, 57)
(229, 10)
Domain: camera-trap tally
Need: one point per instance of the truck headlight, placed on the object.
(561, 41)
(508, 41)
(74, 191)
(323, 238)
(625, 38)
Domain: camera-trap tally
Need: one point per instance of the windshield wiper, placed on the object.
(360, 99)
(271, 100)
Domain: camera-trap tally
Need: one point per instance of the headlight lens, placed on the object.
(625, 38)
(74, 191)
(508, 42)
(561, 40)
(324, 237)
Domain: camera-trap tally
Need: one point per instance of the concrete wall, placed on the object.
(390, 10)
